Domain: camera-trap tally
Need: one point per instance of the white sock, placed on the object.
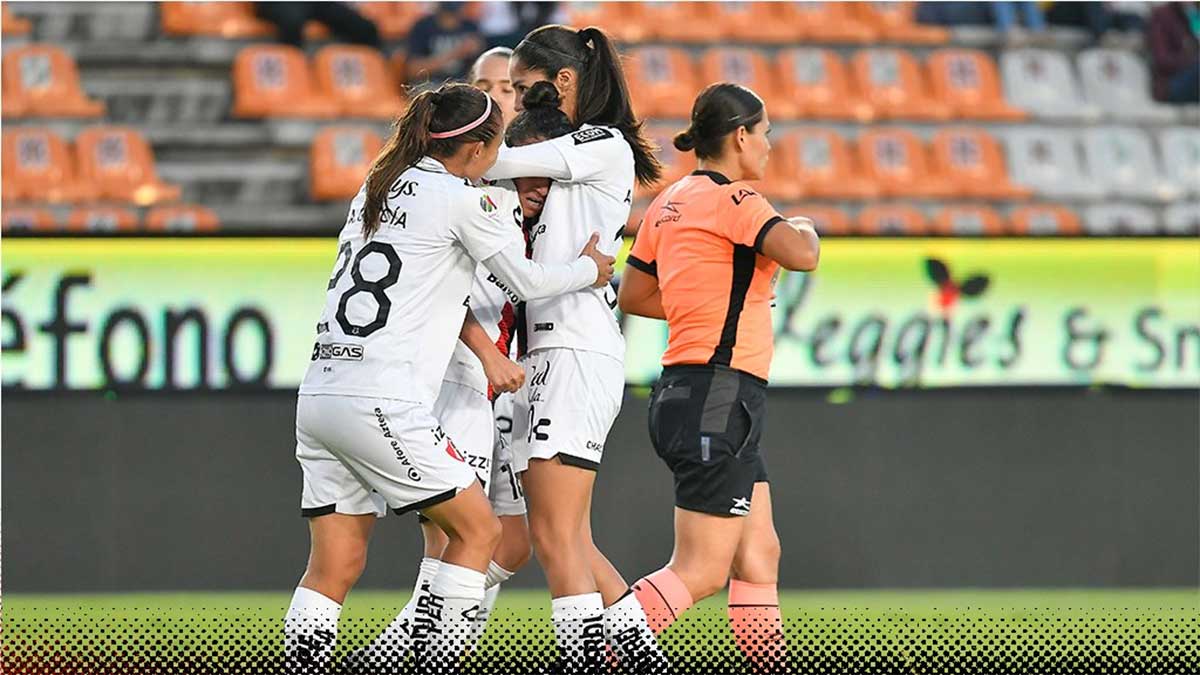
(443, 622)
(579, 629)
(629, 633)
(392, 645)
(484, 613)
(496, 575)
(309, 632)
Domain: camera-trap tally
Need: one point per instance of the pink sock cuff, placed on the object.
(666, 582)
(746, 593)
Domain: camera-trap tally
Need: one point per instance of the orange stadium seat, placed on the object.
(663, 81)
(28, 218)
(225, 19)
(102, 219)
(359, 81)
(45, 78)
(891, 80)
(119, 162)
(676, 164)
(816, 164)
(1045, 219)
(695, 22)
(760, 22)
(971, 159)
(274, 81)
(13, 105)
(625, 21)
(830, 22)
(339, 159)
(182, 218)
(897, 22)
(393, 19)
(38, 166)
(966, 80)
(748, 67)
(819, 86)
(13, 25)
(896, 160)
(969, 221)
(829, 220)
(892, 219)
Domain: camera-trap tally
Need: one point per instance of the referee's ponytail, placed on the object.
(436, 124)
(719, 110)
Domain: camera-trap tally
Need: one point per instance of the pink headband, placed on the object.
(464, 129)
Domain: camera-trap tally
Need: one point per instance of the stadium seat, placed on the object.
(891, 80)
(357, 79)
(1042, 82)
(234, 20)
(119, 163)
(12, 25)
(675, 164)
(969, 221)
(1107, 220)
(46, 80)
(693, 22)
(830, 22)
(393, 19)
(38, 166)
(892, 219)
(829, 220)
(895, 160)
(1045, 219)
(747, 67)
(759, 22)
(817, 164)
(274, 81)
(102, 219)
(1119, 83)
(339, 160)
(971, 159)
(1182, 219)
(1181, 156)
(663, 81)
(819, 85)
(1121, 160)
(966, 79)
(626, 21)
(18, 219)
(182, 218)
(1046, 160)
(12, 105)
(897, 22)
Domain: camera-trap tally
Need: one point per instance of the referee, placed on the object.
(705, 260)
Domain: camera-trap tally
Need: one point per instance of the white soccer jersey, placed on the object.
(395, 303)
(493, 302)
(593, 191)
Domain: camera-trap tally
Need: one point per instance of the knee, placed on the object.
(758, 561)
(514, 549)
(703, 581)
(337, 573)
(551, 538)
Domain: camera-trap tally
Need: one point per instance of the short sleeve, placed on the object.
(482, 225)
(749, 217)
(644, 254)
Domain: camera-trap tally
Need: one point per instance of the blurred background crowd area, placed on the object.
(901, 118)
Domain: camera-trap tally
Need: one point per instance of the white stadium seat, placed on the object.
(1043, 82)
(1123, 162)
(1182, 218)
(1107, 220)
(1181, 157)
(1047, 161)
(1119, 83)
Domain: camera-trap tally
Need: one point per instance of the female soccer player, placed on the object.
(574, 371)
(705, 260)
(366, 438)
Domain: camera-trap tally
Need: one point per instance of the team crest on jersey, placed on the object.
(592, 134)
(453, 451)
(486, 203)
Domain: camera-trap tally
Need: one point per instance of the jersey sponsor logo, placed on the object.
(669, 213)
(741, 506)
(593, 134)
(486, 203)
(508, 292)
(404, 188)
(534, 233)
(741, 195)
(381, 419)
(453, 451)
(544, 326)
(337, 351)
(322, 327)
(594, 446)
(540, 376)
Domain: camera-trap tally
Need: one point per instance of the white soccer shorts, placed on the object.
(466, 416)
(504, 490)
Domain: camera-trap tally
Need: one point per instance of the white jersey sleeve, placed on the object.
(587, 155)
(483, 227)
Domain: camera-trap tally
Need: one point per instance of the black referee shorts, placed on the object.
(706, 423)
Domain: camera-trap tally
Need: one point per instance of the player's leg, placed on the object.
(609, 581)
(754, 613)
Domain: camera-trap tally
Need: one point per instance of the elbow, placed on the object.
(804, 261)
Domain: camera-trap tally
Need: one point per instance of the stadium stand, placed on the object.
(27, 218)
(103, 219)
(181, 218)
(1060, 139)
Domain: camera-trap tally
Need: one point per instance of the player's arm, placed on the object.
(793, 243)
(583, 156)
(534, 281)
(639, 294)
(501, 372)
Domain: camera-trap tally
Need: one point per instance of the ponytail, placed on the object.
(603, 94)
(450, 108)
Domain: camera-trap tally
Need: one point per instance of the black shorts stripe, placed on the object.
(318, 511)
(637, 263)
(572, 460)
(743, 273)
(426, 503)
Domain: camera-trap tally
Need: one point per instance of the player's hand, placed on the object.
(503, 375)
(604, 263)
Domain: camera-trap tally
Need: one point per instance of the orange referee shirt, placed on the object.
(702, 238)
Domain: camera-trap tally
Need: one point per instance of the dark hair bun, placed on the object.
(542, 94)
(685, 141)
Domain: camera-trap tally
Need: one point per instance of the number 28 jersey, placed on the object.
(395, 303)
